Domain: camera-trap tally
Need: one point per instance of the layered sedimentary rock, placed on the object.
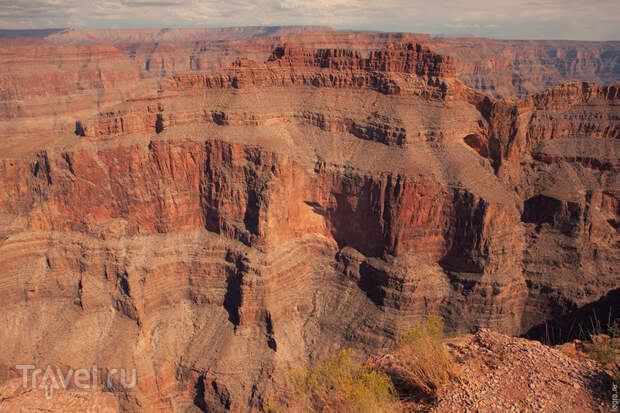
(519, 68)
(47, 78)
(225, 227)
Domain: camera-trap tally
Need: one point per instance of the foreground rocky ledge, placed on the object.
(500, 374)
(510, 374)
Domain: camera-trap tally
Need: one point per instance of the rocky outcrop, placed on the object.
(507, 373)
(401, 58)
(334, 68)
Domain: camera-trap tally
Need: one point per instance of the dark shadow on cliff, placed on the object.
(372, 281)
(199, 397)
(233, 298)
(578, 323)
(355, 228)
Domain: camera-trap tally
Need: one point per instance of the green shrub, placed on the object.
(339, 384)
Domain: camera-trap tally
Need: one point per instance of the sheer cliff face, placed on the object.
(225, 227)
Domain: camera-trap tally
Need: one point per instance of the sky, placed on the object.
(500, 19)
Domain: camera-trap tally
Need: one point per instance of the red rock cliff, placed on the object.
(232, 225)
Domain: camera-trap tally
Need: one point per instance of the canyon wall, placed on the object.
(214, 230)
(49, 77)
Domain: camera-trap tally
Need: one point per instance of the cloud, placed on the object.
(151, 3)
(529, 19)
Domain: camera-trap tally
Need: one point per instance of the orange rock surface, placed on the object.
(213, 230)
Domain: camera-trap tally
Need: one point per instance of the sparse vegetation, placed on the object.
(603, 349)
(599, 341)
(273, 407)
(603, 343)
(340, 384)
(426, 365)
(432, 327)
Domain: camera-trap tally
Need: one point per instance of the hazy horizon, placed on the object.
(510, 19)
(47, 31)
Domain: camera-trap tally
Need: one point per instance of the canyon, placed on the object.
(214, 208)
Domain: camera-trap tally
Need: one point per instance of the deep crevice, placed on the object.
(159, 123)
(199, 398)
(233, 298)
(271, 341)
(79, 129)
